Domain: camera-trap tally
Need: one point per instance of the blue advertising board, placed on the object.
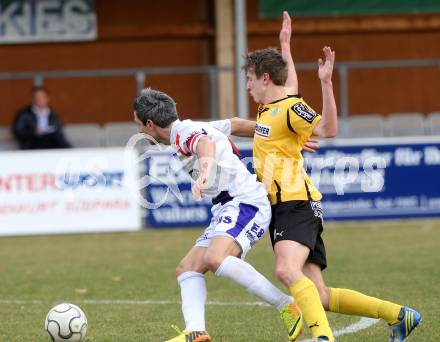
(364, 179)
(168, 194)
(359, 179)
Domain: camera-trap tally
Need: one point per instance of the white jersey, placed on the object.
(229, 174)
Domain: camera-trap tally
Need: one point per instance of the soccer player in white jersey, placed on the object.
(241, 212)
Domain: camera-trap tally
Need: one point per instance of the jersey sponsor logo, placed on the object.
(224, 219)
(254, 234)
(262, 130)
(317, 208)
(304, 112)
(275, 111)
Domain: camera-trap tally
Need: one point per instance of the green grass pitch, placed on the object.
(395, 260)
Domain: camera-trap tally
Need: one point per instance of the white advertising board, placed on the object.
(33, 21)
(68, 191)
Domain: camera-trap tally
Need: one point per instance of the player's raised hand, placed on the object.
(326, 66)
(291, 84)
(286, 29)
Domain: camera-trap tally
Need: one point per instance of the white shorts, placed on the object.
(242, 219)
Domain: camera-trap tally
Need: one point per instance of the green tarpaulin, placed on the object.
(274, 8)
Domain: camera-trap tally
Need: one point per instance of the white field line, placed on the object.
(130, 302)
(167, 302)
(19, 302)
(363, 323)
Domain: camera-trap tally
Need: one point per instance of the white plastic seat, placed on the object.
(7, 141)
(432, 123)
(84, 135)
(364, 126)
(344, 128)
(406, 124)
(118, 133)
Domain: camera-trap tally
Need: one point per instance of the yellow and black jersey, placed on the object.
(282, 129)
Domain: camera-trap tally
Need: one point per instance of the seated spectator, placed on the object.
(38, 126)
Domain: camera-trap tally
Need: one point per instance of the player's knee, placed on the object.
(213, 261)
(183, 267)
(180, 269)
(287, 275)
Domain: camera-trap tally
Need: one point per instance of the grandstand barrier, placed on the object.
(68, 191)
(139, 74)
(359, 178)
(117, 134)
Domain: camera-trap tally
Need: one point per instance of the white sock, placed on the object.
(254, 282)
(193, 293)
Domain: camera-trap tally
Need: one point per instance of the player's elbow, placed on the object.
(206, 142)
(206, 150)
(330, 132)
(242, 127)
(326, 130)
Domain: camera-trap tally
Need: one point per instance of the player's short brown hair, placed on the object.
(156, 106)
(267, 61)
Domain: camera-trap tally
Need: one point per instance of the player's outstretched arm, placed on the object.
(328, 126)
(206, 157)
(242, 127)
(246, 128)
(285, 36)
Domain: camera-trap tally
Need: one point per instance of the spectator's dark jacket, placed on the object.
(25, 127)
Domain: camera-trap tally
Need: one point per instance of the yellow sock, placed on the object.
(307, 297)
(351, 302)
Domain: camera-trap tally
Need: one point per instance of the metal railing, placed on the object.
(343, 68)
(140, 75)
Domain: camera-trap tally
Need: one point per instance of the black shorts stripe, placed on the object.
(278, 194)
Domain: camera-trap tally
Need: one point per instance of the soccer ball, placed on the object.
(66, 322)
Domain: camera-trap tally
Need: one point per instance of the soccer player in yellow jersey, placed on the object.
(284, 123)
